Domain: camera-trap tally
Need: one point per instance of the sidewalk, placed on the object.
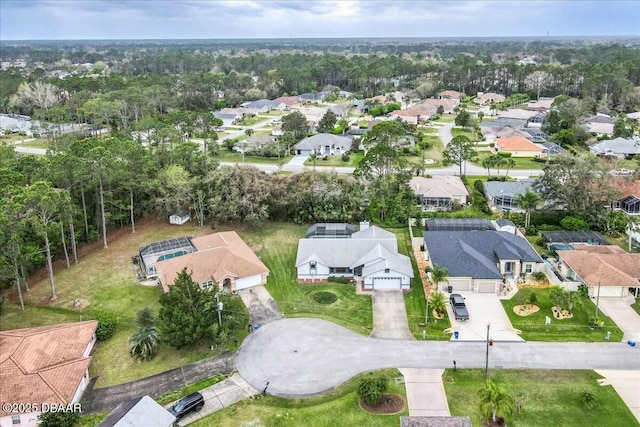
(219, 396)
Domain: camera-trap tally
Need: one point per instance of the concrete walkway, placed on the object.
(219, 396)
(261, 305)
(425, 392)
(105, 399)
(620, 311)
(308, 357)
(390, 316)
(626, 384)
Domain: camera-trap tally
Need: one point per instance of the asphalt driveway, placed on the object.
(261, 305)
(483, 309)
(390, 316)
(620, 311)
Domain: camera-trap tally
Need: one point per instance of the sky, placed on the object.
(203, 19)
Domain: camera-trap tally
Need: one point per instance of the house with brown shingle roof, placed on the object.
(44, 365)
(518, 146)
(488, 98)
(439, 192)
(607, 267)
(221, 259)
(447, 104)
(450, 94)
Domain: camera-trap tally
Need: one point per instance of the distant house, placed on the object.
(439, 193)
(143, 411)
(360, 105)
(619, 147)
(306, 98)
(179, 219)
(380, 99)
(264, 105)
(451, 94)
(46, 364)
(312, 113)
(446, 103)
(517, 124)
(608, 269)
(412, 116)
(276, 130)
(478, 261)
(518, 147)
(228, 119)
(488, 98)
(289, 101)
(220, 260)
(501, 195)
(518, 113)
(370, 257)
(324, 144)
(254, 143)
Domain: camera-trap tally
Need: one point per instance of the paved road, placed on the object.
(308, 357)
(444, 133)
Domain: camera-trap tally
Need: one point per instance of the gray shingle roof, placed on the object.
(143, 411)
(435, 422)
(616, 146)
(513, 123)
(476, 253)
(315, 141)
(507, 188)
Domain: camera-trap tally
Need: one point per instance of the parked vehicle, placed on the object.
(193, 402)
(458, 306)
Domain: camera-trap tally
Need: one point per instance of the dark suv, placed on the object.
(459, 307)
(193, 402)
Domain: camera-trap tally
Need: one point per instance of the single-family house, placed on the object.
(518, 146)
(412, 116)
(542, 104)
(324, 144)
(440, 192)
(312, 113)
(458, 224)
(44, 365)
(369, 256)
(380, 99)
(229, 118)
(618, 147)
(629, 203)
(309, 97)
(502, 123)
(451, 94)
(518, 113)
(142, 411)
(479, 261)
(360, 105)
(447, 104)
(221, 260)
(607, 270)
(488, 98)
(255, 143)
(276, 130)
(263, 105)
(289, 101)
(600, 124)
(501, 195)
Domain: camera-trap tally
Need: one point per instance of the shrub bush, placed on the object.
(324, 297)
(372, 388)
(107, 325)
(478, 186)
(345, 158)
(340, 279)
(497, 178)
(504, 154)
(538, 276)
(574, 223)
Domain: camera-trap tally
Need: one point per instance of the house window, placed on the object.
(528, 268)
(386, 270)
(312, 265)
(208, 284)
(15, 420)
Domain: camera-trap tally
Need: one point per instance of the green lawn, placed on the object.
(464, 131)
(446, 118)
(549, 397)
(533, 240)
(337, 408)
(636, 305)
(574, 329)
(277, 245)
(336, 161)
(414, 300)
(521, 163)
(228, 156)
(249, 121)
(37, 143)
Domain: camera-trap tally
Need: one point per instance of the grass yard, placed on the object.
(549, 397)
(36, 143)
(104, 281)
(414, 300)
(337, 408)
(228, 156)
(277, 246)
(336, 161)
(249, 121)
(574, 329)
(446, 118)
(521, 163)
(464, 131)
(533, 240)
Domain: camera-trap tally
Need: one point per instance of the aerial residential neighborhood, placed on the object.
(253, 214)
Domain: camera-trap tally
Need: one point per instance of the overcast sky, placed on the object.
(150, 19)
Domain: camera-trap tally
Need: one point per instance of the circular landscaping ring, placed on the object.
(324, 297)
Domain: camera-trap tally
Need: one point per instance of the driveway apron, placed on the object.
(390, 316)
(425, 392)
(261, 305)
(620, 311)
(626, 384)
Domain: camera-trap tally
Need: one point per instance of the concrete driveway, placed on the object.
(619, 309)
(626, 384)
(261, 305)
(307, 357)
(390, 316)
(425, 392)
(483, 309)
(296, 162)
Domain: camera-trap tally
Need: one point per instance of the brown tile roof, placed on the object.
(606, 269)
(626, 187)
(44, 364)
(219, 255)
(289, 100)
(517, 143)
(447, 104)
(454, 94)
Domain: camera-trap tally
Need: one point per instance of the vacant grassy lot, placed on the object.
(104, 281)
(336, 161)
(573, 329)
(338, 408)
(277, 245)
(549, 398)
(414, 300)
(521, 163)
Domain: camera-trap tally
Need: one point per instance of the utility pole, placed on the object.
(486, 357)
(597, 302)
(219, 307)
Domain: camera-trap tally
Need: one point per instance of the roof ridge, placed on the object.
(598, 256)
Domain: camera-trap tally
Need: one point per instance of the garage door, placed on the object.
(486, 287)
(387, 283)
(609, 291)
(458, 285)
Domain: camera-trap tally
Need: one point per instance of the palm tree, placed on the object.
(557, 296)
(438, 302)
(488, 163)
(248, 132)
(632, 225)
(493, 399)
(510, 163)
(498, 162)
(144, 342)
(314, 158)
(528, 201)
(439, 274)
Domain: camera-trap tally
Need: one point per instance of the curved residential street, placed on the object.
(307, 357)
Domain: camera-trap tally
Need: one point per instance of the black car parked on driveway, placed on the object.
(193, 402)
(458, 306)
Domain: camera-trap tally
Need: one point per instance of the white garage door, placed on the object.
(609, 291)
(387, 283)
(487, 287)
(457, 285)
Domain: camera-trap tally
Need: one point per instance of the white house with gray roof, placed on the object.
(501, 195)
(323, 144)
(618, 147)
(478, 261)
(369, 256)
